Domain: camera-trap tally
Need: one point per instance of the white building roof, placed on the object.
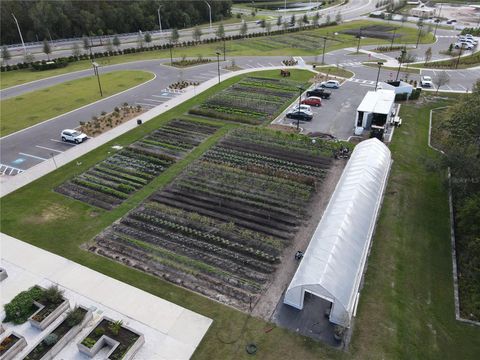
(379, 102)
(333, 263)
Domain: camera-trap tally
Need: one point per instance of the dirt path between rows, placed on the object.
(267, 303)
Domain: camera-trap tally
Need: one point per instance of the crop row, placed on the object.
(111, 181)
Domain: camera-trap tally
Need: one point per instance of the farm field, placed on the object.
(289, 44)
(108, 183)
(220, 227)
(253, 100)
(17, 112)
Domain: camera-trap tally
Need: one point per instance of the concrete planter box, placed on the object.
(69, 336)
(42, 325)
(108, 341)
(15, 349)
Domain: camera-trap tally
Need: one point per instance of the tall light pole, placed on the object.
(95, 70)
(159, 18)
(437, 21)
(419, 33)
(21, 37)
(224, 49)
(378, 74)
(299, 103)
(324, 45)
(209, 12)
(218, 65)
(393, 38)
(459, 55)
(170, 46)
(359, 38)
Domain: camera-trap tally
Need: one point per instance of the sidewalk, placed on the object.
(9, 184)
(171, 331)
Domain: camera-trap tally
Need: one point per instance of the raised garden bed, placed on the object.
(64, 333)
(123, 340)
(107, 121)
(11, 346)
(221, 226)
(252, 100)
(112, 181)
(47, 313)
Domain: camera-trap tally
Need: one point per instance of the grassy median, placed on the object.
(34, 107)
(297, 43)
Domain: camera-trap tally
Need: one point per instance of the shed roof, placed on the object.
(379, 102)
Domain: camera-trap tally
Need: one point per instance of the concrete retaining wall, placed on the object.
(15, 349)
(42, 325)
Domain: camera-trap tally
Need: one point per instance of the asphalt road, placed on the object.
(28, 147)
(351, 10)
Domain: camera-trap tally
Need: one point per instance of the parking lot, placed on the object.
(336, 116)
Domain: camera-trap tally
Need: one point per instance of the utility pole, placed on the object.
(21, 37)
(209, 12)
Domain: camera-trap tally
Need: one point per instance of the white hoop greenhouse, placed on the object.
(333, 264)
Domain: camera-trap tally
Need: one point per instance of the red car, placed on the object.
(313, 101)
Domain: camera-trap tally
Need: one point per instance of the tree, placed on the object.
(293, 20)
(86, 43)
(116, 42)
(5, 54)
(268, 27)
(328, 19)
(148, 38)
(338, 18)
(29, 58)
(316, 19)
(174, 36)
(76, 50)
(428, 55)
(109, 45)
(441, 79)
(46, 48)
(220, 33)
(279, 22)
(262, 23)
(197, 34)
(243, 29)
(305, 20)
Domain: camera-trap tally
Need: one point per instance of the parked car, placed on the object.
(451, 21)
(426, 81)
(312, 101)
(465, 45)
(304, 108)
(299, 115)
(318, 92)
(333, 84)
(73, 135)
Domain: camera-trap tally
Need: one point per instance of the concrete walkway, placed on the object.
(171, 331)
(11, 183)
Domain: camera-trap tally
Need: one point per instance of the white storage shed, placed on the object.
(333, 264)
(376, 108)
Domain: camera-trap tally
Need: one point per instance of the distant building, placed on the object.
(400, 87)
(423, 11)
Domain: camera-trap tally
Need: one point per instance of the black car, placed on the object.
(321, 93)
(299, 115)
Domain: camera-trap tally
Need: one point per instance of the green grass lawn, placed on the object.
(335, 71)
(34, 107)
(465, 62)
(402, 69)
(406, 307)
(297, 43)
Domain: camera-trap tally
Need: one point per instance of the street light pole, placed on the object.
(419, 33)
(324, 45)
(21, 37)
(393, 38)
(378, 74)
(299, 103)
(218, 66)
(459, 55)
(224, 49)
(171, 57)
(359, 38)
(95, 70)
(209, 12)
(159, 19)
(437, 21)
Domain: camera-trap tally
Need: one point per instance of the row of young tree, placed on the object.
(59, 19)
(462, 148)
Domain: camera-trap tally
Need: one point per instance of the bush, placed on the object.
(74, 317)
(21, 307)
(115, 326)
(52, 295)
(88, 342)
(43, 65)
(99, 331)
(50, 339)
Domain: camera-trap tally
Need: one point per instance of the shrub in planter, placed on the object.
(50, 339)
(21, 307)
(115, 327)
(52, 295)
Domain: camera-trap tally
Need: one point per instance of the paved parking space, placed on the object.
(336, 116)
(460, 80)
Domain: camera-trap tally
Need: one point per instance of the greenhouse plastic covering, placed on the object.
(334, 261)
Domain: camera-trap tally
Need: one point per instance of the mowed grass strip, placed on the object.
(406, 308)
(288, 44)
(31, 108)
